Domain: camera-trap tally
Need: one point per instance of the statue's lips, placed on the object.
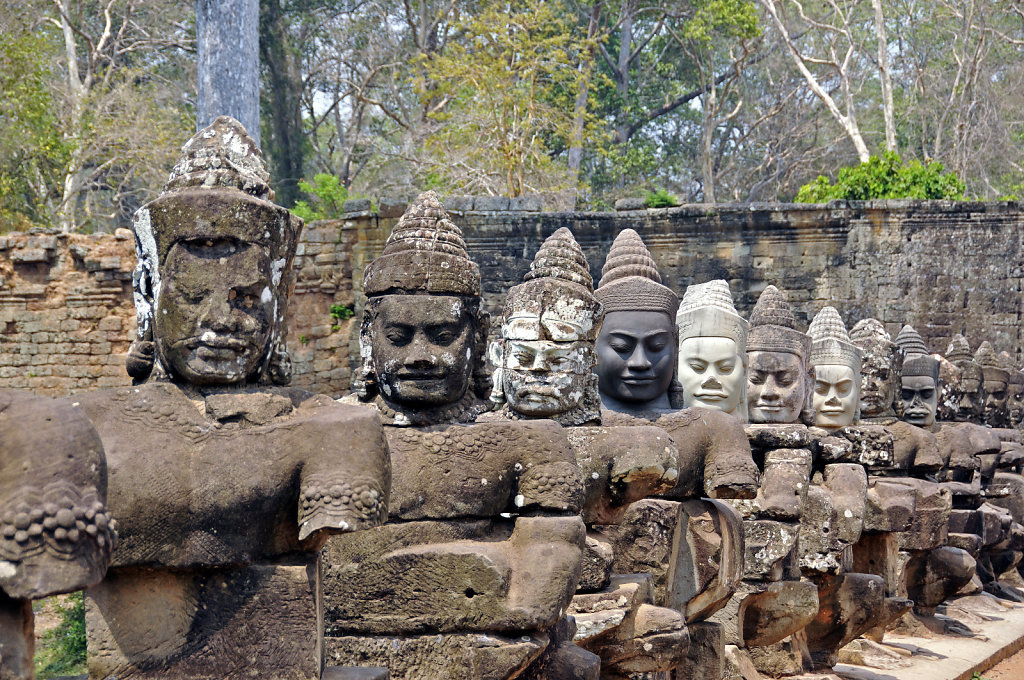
(639, 381)
(769, 409)
(415, 377)
(832, 411)
(217, 347)
(710, 396)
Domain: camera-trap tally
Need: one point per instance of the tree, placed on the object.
(32, 152)
(507, 92)
(122, 115)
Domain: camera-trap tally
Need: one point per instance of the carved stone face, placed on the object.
(711, 373)
(422, 348)
(836, 396)
(996, 396)
(776, 387)
(1015, 403)
(920, 400)
(636, 355)
(877, 383)
(542, 378)
(972, 401)
(216, 312)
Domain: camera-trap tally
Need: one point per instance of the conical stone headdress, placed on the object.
(218, 189)
(959, 350)
(1016, 376)
(992, 367)
(830, 343)
(707, 311)
(425, 253)
(556, 300)
(630, 280)
(773, 327)
(916, 359)
(870, 335)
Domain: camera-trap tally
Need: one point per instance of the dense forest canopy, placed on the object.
(581, 103)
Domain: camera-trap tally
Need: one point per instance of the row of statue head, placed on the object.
(566, 349)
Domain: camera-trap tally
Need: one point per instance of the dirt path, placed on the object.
(1011, 668)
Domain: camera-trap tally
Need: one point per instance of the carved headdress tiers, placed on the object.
(556, 300)
(1016, 376)
(870, 335)
(630, 280)
(830, 343)
(916, 359)
(707, 311)
(424, 254)
(218, 189)
(959, 350)
(992, 365)
(773, 327)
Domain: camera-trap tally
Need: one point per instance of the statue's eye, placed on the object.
(820, 387)
(442, 335)
(785, 379)
(927, 394)
(656, 344)
(756, 378)
(908, 395)
(844, 388)
(524, 357)
(622, 345)
(398, 335)
(725, 367)
(697, 366)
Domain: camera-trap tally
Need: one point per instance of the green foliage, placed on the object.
(508, 84)
(327, 196)
(885, 176)
(978, 676)
(304, 339)
(660, 199)
(32, 153)
(341, 312)
(62, 649)
(722, 20)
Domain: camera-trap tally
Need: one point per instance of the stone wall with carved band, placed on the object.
(66, 314)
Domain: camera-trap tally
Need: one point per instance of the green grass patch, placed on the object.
(61, 651)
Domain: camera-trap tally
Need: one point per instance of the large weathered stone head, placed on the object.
(971, 403)
(423, 334)
(712, 349)
(995, 383)
(636, 348)
(1015, 388)
(920, 380)
(836, 364)
(55, 532)
(778, 358)
(545, 358)
(881, 366)
(214, 267)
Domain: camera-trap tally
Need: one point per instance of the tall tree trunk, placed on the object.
(582, 97)
(286, 144)
(886, 77)
(227, 37)
(707, 164)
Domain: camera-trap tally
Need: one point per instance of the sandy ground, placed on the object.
(1009, 669)
(47, 618)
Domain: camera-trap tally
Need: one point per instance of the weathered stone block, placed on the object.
(190, 625)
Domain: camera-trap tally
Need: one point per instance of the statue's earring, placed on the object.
(139, 362)
(279, 368)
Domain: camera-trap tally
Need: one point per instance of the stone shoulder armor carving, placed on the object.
(56, 534)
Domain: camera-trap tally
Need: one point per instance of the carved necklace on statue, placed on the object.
(465, 410)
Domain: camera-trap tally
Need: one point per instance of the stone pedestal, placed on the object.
(206, 624)
(16, 639)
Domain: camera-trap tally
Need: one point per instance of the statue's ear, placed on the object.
(496, 353)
